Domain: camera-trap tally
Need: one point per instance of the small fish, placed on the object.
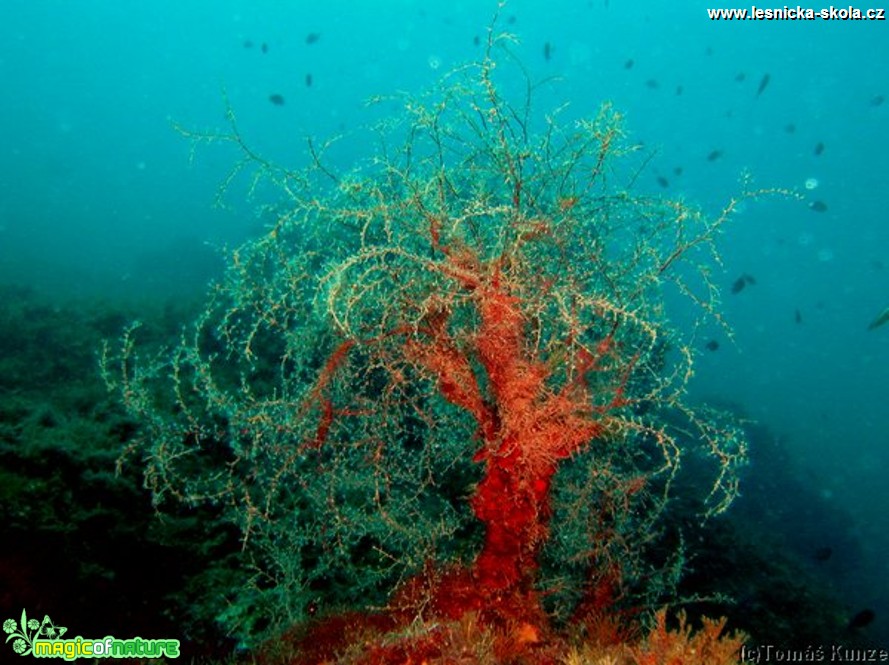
(712, 345)
(313, 37)
(790, 128)
(248, 43)
(629, 64)
(264, 48)
(823, 553)
(742, 281)
(818, 206)
(662, 181)
(652, 84)
(511, 19)
(677, 170)
(547, 51)
(882, 318)
(877, 100)
(476, 41)
(819, 148)
(308, 80)
(740, 77)
(714, 155)
(763, 84)
(276, 99)
(797, 317)
(864, 618)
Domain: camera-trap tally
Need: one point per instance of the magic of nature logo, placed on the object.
(44, 639)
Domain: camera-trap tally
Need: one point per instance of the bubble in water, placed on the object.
(825, 255)
(434, 62)
(812, 183)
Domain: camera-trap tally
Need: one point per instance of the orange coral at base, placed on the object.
(508, 632)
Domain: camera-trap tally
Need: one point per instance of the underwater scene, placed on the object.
(406, 332)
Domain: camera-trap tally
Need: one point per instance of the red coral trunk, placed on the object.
(514, 506)
(525, 425)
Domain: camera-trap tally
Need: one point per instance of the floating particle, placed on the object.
(712, 345)
(264, 48)
(547, 51)
(819, 148)
(825, 255)
(811, 183)
(313, 37)
(714, 155)
(877, 100)
(677, 170)
(797, 316)
(790, 128)
(818, 206)
(662, 181)
(308, 80)
(652, 84)
(678, 90)
(763, 84)
(476, 41)
(276, 99)
(248, 43)
(740, 77)
(629, 64)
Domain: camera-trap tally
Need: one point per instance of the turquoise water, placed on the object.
(99, 194)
